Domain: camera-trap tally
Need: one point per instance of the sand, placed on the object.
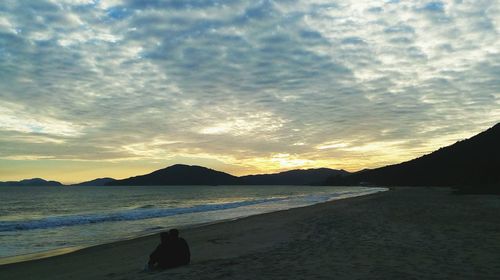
(405, 233)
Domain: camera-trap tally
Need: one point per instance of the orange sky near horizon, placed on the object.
(75, 171)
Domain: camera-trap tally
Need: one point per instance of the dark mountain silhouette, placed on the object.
(179, 174)
(31, 182)
(472, 164)
(96, 182)
(293, 177)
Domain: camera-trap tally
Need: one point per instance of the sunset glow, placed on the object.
(118, 88)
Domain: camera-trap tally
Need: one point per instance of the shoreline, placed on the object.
(67, 250)
(401, 233)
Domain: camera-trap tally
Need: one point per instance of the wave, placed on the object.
(126, 215)
(149, 211)
(148, 206)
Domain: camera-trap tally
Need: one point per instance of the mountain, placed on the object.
(31, 182)
(179, 174)
(293, 177)
(96, 182)
(472, 164)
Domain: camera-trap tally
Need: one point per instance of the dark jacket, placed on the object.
(173, 253)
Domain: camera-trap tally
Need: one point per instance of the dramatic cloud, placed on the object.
(243, 86)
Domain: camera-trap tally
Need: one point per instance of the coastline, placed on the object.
(404, 232)
(65, 250)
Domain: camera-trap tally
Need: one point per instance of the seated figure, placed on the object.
(173, 251)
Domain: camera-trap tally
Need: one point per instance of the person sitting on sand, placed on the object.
(159, 257)
(173, 251)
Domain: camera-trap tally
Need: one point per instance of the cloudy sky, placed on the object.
(93, 88)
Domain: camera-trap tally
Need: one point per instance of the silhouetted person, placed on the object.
(179, 248)
(173, 251)
(159, 257)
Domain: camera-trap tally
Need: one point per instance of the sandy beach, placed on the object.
(405, 233)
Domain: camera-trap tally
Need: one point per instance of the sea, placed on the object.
(35, 221)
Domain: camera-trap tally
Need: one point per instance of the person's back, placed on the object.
(179, 249)
(172, 252)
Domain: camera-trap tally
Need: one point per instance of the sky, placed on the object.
(117, 88)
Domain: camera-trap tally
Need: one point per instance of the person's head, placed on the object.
(173, 233)
(164, 237)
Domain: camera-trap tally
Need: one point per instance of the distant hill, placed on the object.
(293, 177)
(31, 182)
(472, 164)
(179, 174)
(96, 182)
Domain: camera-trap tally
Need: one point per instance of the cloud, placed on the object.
(13, 118)
(245, 81)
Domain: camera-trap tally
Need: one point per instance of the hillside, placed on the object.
(31, 182)
(179, 174)
(96, 182)
(474, 162)
(293, 177)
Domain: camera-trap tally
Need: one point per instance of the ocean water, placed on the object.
(41, 219)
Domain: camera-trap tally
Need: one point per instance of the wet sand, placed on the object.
(405, 233)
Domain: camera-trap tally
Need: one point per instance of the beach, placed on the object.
(404, 233)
